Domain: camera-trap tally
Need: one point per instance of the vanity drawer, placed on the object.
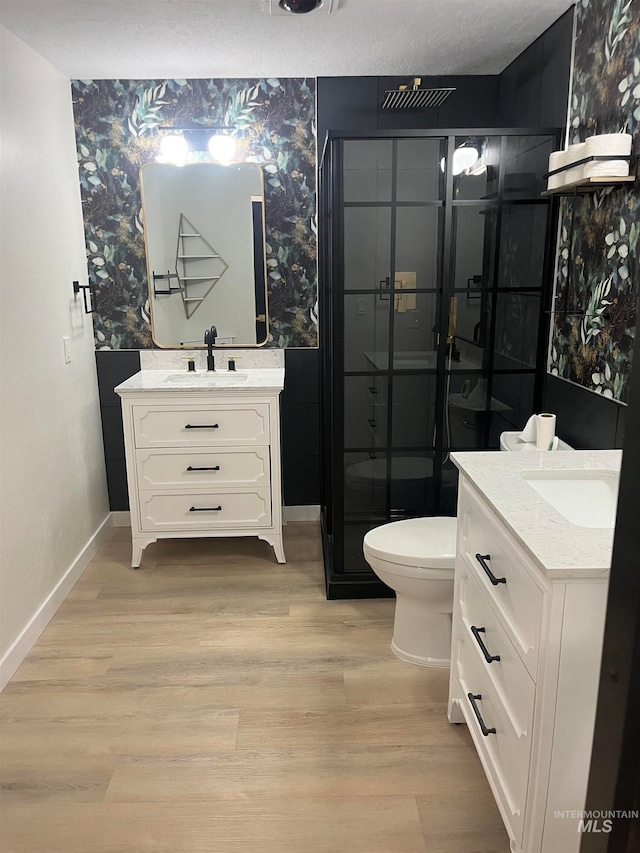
(200, 426)
(505, 752)
(512, 591)
(508, 675)
(205, 510)
(187, 468)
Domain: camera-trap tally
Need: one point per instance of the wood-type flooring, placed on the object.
(214, 702)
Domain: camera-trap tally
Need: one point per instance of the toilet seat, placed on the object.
(415, 546)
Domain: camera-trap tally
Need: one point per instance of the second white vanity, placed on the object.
(535, 534)
(203, 455)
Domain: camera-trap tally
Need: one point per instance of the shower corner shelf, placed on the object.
(589, 185)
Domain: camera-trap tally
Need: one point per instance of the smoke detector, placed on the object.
(298, 8)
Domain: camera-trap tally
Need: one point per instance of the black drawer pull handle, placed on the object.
(371, 423)
(205, 509)
(485, 651)
(201, 426)
(372, 389)
(472, 698)
(213, 468)
(482, 559)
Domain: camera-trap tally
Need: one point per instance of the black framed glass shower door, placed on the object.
(433, 277)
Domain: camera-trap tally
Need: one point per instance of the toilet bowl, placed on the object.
(416, 558)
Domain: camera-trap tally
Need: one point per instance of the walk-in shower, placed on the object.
(434, 278)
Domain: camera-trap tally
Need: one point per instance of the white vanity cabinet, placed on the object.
(203, 458)
(526, 652)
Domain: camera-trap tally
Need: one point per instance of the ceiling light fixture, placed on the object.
(300, 7)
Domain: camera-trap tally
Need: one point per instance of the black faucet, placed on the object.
(210, 336)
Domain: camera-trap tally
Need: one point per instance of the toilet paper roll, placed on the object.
(557, 159)
(607, 168)
(545, 430)
(574, 153)
(614, 144)
(618, 144)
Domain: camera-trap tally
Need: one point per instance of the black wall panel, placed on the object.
(586, 420)
(300, 411)
(353, 103)
(113, 367)
(533, 90)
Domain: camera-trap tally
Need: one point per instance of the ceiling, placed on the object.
(133, 39)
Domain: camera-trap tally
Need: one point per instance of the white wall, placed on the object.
(53, 501)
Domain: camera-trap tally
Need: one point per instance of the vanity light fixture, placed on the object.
(222, 147)
(179, 141)
(173, 149)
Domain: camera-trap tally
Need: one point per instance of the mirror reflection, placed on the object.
(204, 240)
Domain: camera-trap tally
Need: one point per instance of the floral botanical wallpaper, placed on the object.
(117, 125)
(594, 321)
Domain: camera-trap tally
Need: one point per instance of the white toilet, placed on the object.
(416, 558)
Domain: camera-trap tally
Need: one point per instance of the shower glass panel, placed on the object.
(479, 182)
(367, 244)
(366, 331)
(419, 176)
(516, 338)
(412, 492)
(434, 283)
(522, 245)
(365, 412)
(526, 160)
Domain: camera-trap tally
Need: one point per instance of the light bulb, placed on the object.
(464, 158)
(222, 148)
(174, 149)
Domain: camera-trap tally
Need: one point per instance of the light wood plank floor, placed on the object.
(214, 702)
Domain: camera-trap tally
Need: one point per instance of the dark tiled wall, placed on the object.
(299, 413)
(353, 103)
(586, 420)
(534, 89)
(113, 368)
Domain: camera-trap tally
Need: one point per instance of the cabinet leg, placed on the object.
(278, 547)
(275, 540)
(454, 712)
(137, 547)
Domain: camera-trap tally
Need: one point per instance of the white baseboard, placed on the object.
(302, 513)
(122, 518)
(16, 653)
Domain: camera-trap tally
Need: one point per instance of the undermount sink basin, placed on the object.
(585, 498)
(210, 380)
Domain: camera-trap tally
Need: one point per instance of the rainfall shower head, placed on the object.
(412, 97)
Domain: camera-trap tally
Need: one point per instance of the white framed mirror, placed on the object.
(205, 248)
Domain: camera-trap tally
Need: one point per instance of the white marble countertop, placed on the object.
(560, 549)
(259, 379)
